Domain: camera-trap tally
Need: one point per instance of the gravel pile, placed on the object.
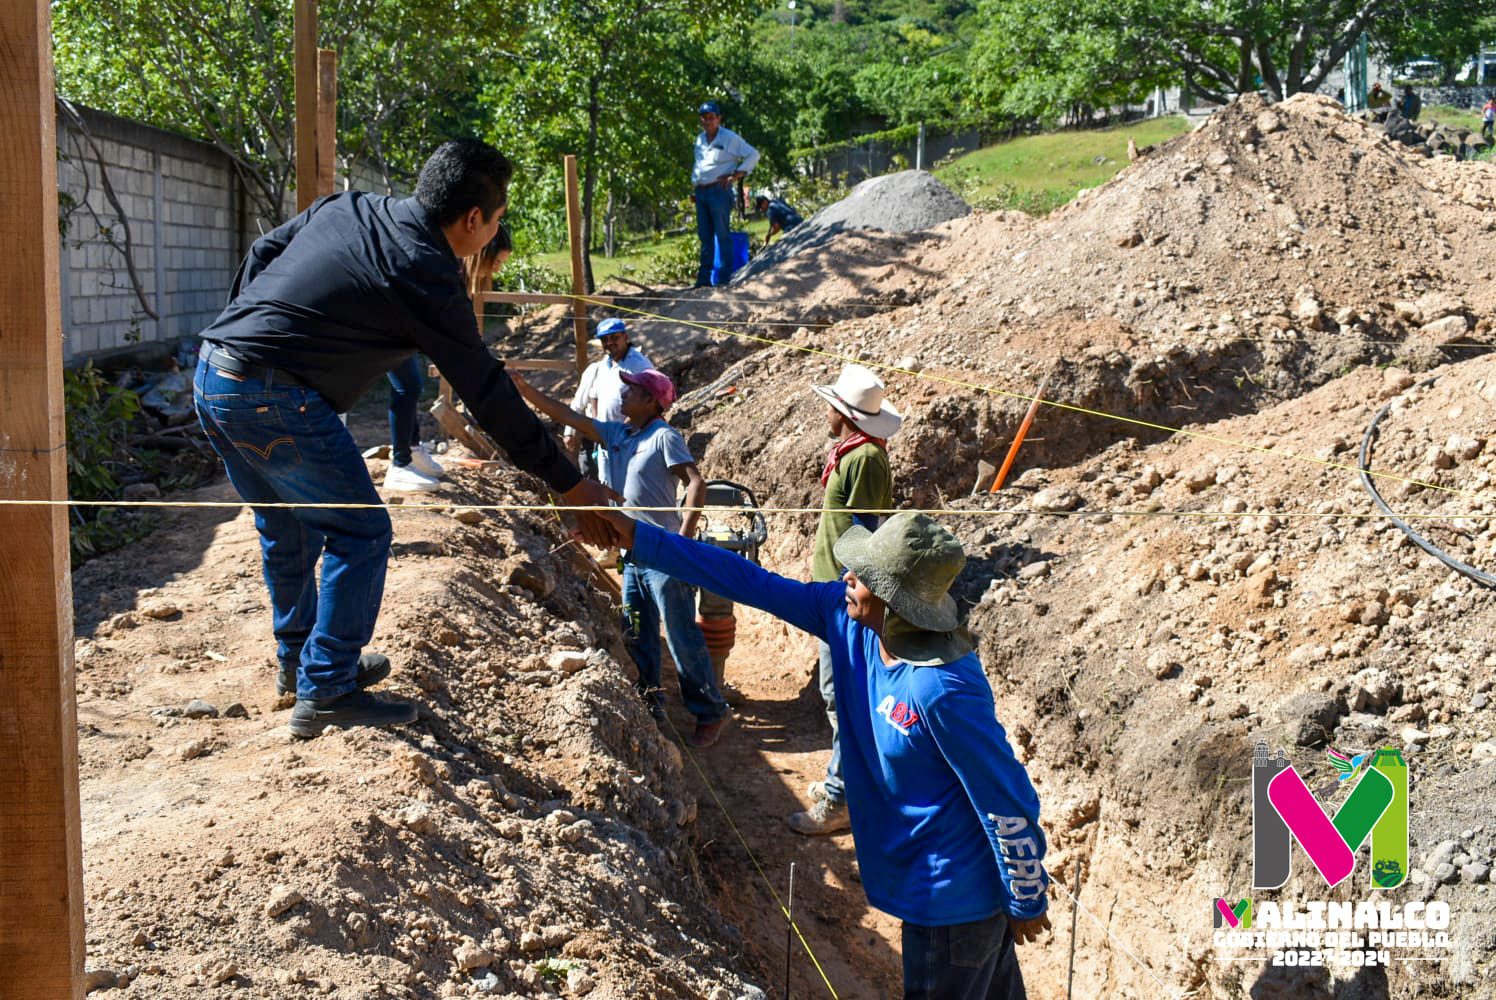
(904, 202)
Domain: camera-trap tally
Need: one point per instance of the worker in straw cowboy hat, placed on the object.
(856, 476)
(944, 817)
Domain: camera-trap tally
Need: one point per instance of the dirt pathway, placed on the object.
(759, 772)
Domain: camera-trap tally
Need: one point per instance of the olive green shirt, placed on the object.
(861, 479)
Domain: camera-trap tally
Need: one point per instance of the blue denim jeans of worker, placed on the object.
(282, 443)
(651, 598)
(405, 400)
(714, 229)
(836, 790)
(975, 961)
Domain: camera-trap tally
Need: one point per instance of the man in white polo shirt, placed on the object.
(600, 393)
(722, 157)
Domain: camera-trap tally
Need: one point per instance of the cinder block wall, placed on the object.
(181, 200)
(190, 225)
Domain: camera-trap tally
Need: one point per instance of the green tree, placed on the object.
(408, 74)
(616, 82)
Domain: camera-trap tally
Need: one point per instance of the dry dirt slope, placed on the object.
(530, 835)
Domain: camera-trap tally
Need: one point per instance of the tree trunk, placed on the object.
(610, 227)
(589, 180)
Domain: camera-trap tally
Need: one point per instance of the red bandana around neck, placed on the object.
(844, 446)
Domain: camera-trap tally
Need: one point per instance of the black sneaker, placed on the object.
(372, 668)
(357, 708)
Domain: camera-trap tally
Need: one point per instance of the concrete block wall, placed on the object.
(181, 200)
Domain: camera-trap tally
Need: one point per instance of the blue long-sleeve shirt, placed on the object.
(944, 818)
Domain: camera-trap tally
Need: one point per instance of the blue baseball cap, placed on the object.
(709, 108)
(607, 326)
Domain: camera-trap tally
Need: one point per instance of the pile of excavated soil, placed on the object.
(1243, 283)
(531, 835)
(1138, 659)
(908, 201)
(1262, 255)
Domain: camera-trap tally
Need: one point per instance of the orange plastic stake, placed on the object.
(1023, 429)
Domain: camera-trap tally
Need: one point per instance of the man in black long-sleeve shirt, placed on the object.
(321, 308)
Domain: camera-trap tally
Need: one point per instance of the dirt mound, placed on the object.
(907, 201)
(1262, 255)
(531, 835)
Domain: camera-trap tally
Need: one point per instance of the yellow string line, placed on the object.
(742, 840)
(1135, 421)
(717, 301)
(880, 511)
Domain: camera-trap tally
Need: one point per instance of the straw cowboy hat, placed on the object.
(911, 562)
(858, 396)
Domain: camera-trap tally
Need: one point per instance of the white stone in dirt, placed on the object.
(1055, 498)
(1446, 330)
(417, 818)
(719, 993)
(1415, 736)
(579, 983)
(194, 749)
(470, 955)
(1034, 570)
(281, 899)
(567, 661)
(220, 972)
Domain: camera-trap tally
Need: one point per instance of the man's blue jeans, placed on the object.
(282, 443)
(405, 402)
(836, 790)
(714, 229)
(649, 597)
(975, 961)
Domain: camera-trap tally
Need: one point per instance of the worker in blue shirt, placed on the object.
(781, 217)
(944, 818)
(722, 158)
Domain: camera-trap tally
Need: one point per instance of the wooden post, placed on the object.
(41, 873)
(327, 121)
(578, 273)
(306, 103)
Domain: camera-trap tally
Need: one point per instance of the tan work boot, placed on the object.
(822, 819)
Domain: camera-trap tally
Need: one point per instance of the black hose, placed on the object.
(1364, 465)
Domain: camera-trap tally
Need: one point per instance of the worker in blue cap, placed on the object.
(722, 159)
(599, 395)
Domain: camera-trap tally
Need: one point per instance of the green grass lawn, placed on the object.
(636, 256)
(1038, 173)
(1444, 114)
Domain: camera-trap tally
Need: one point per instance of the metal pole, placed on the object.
(789, 933)
(919, 148)
(1074, 916)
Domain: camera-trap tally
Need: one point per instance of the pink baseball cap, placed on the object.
(654, 382)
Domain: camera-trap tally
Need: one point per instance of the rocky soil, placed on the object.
(531, 835)
(1153, 594)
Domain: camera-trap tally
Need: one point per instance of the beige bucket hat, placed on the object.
(858, 395)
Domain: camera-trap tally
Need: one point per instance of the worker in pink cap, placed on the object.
(646, 458)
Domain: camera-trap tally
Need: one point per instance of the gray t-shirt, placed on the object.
(639, 463)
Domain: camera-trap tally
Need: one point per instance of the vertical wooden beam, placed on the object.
(578, 274)
(306, 103)
(41, 874)
(327, 121)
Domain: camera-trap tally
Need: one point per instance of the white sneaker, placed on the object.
(405, 479)
(422, 462)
